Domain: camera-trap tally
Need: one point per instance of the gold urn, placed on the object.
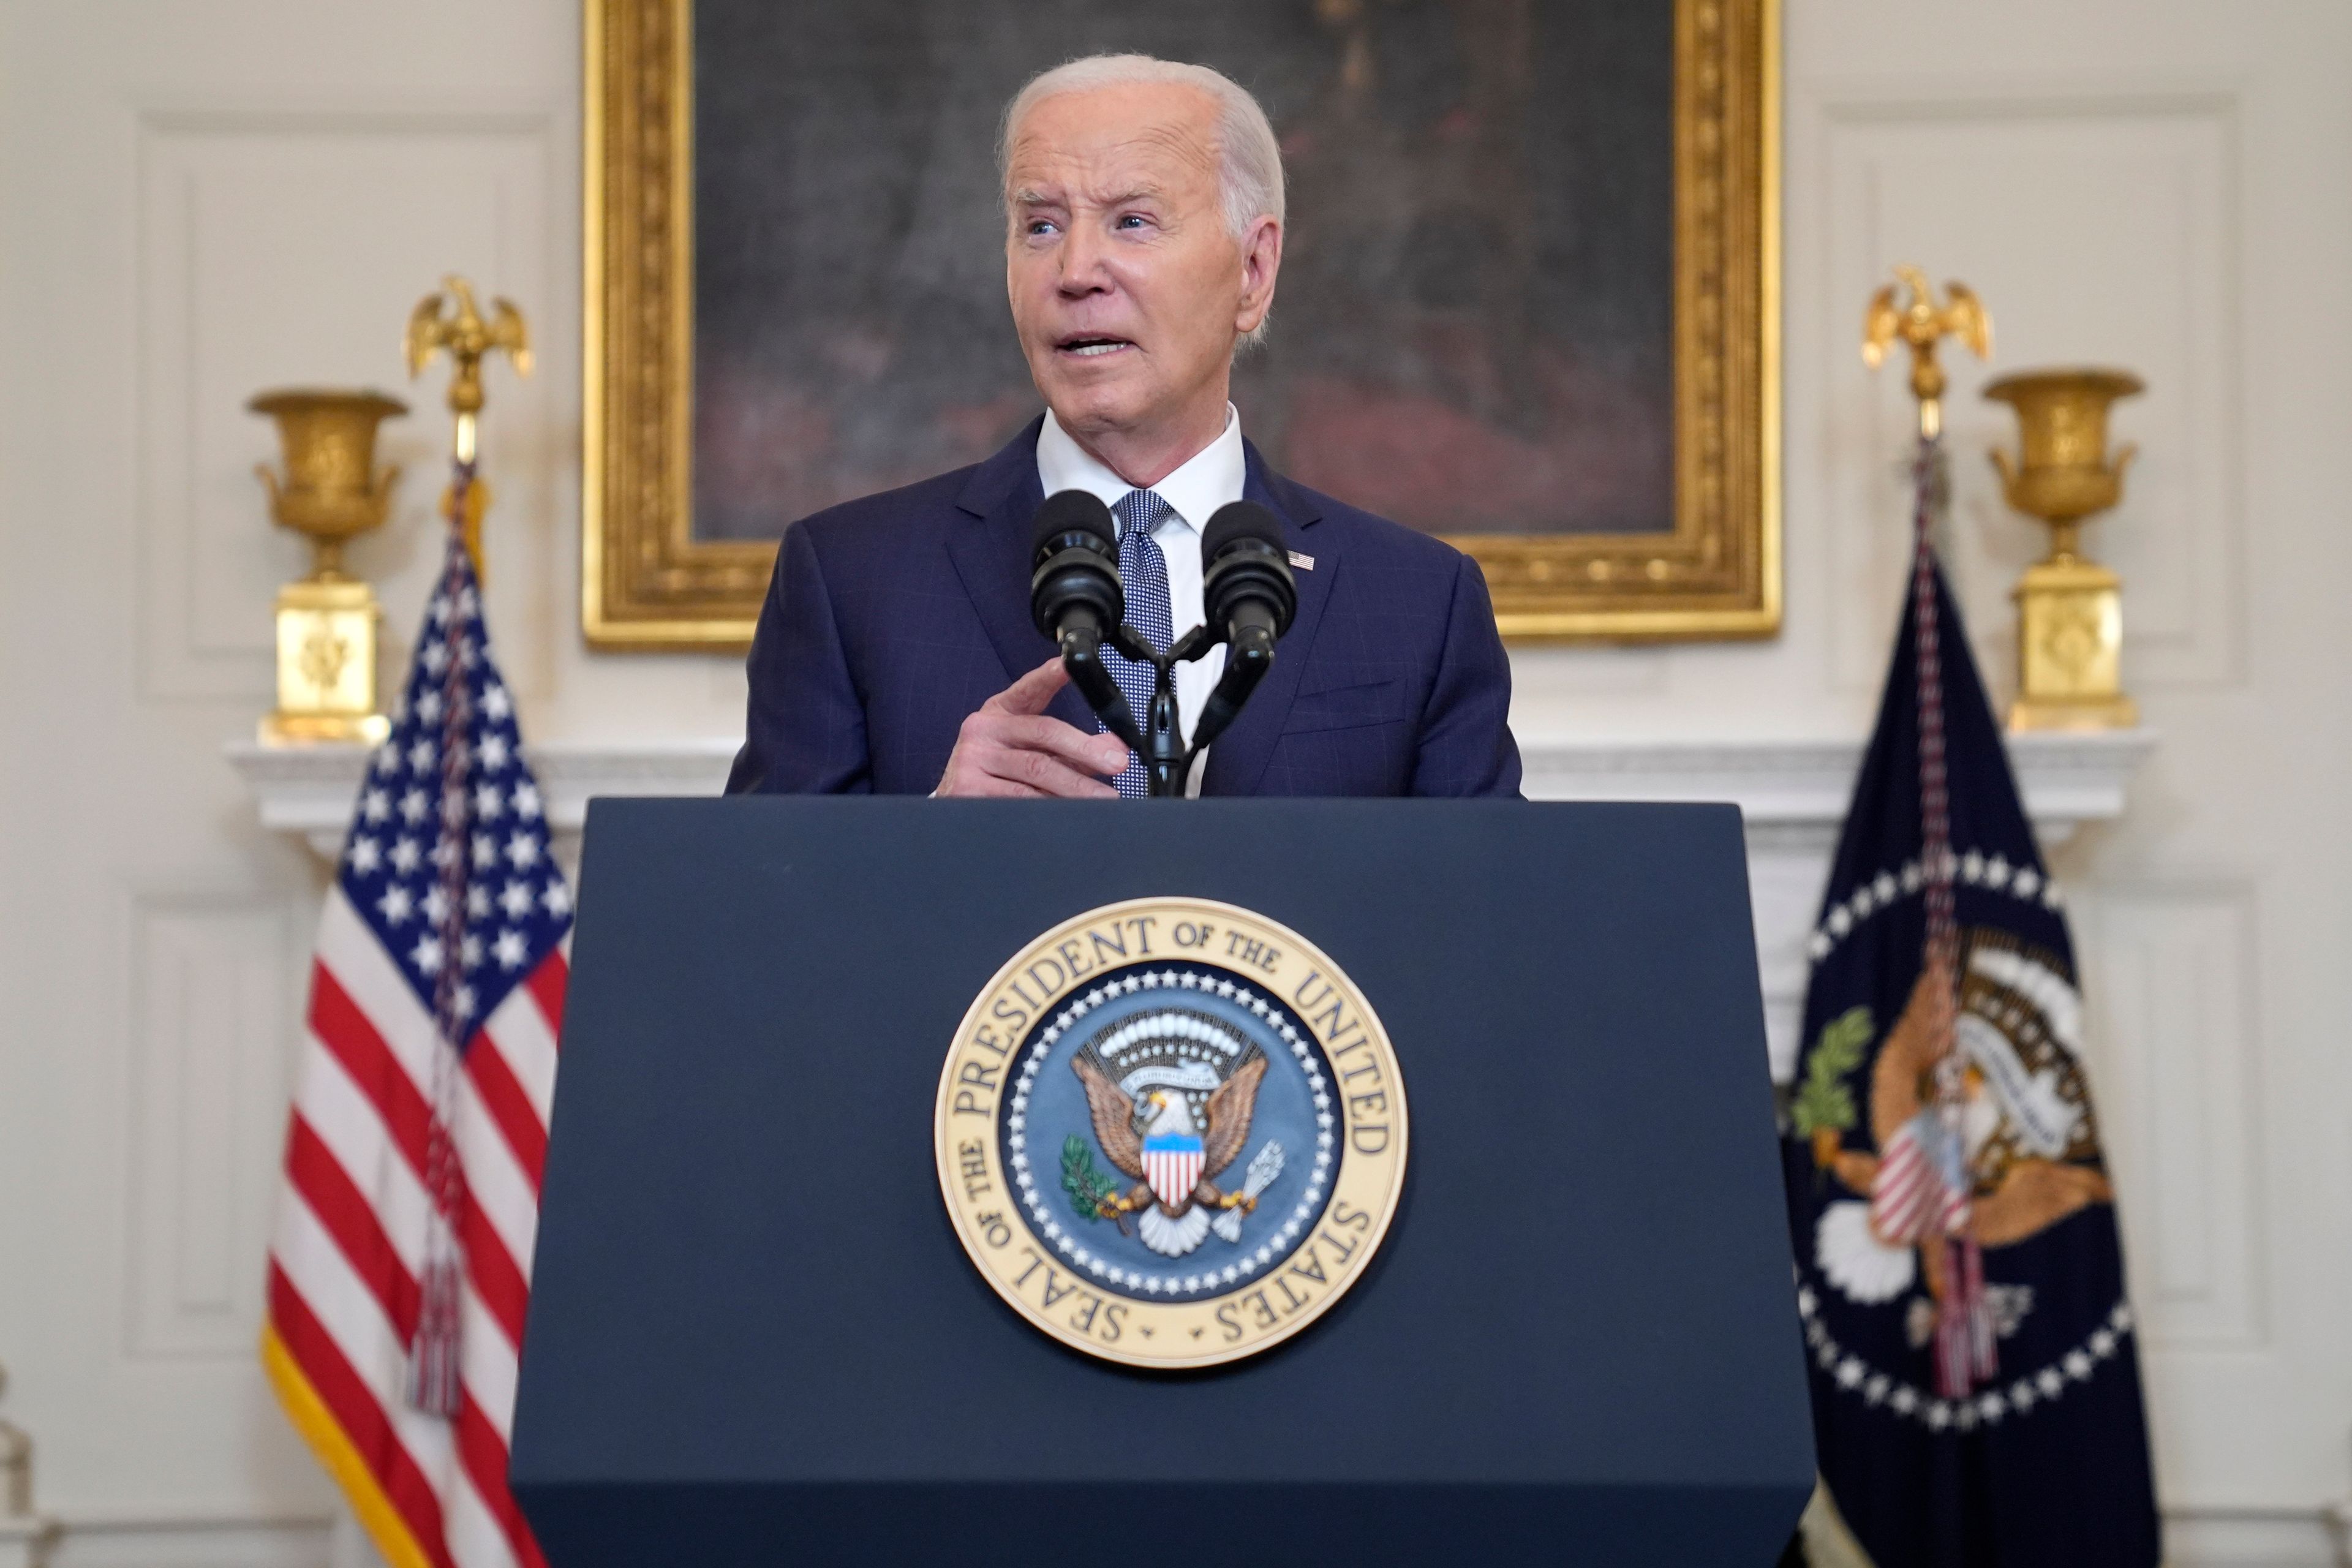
(2069, 608)
(330, 492)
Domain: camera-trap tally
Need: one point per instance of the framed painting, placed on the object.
(1528, 297)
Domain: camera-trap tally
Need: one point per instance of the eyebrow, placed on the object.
(1029, 198)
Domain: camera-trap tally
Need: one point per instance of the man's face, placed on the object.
(1127, 290)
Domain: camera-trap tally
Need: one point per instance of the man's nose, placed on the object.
(1083, 270)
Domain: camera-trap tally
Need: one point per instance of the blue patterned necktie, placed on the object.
(1143, 574)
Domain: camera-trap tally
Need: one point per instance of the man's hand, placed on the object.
(1010, 748)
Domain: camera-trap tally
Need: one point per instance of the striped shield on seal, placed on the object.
(1171, 1164)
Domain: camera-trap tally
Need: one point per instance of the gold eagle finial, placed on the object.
(466, 337)
(1922, 323)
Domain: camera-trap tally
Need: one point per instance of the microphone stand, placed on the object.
(1158, 740)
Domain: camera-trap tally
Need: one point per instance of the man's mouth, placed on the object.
(1092, 345)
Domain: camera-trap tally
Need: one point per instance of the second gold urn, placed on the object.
(2069, 608)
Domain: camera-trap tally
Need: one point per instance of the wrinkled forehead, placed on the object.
(1157, 134)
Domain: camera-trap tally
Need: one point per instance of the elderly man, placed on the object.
(896, 653)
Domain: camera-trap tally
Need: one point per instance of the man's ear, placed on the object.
(1260, 260)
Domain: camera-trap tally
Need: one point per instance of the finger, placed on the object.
(1096, 754)
(968, 782)
(1032, 691)
(1042, 772)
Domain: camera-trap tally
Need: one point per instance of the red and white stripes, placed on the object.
(353, 1242)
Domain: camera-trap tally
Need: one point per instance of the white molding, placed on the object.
(1796, 790)
(2194, 1537)
(308, 791)
(2253, 1538)
(1788, 790)
(169, 1539)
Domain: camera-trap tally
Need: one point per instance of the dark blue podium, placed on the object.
(754, 1337)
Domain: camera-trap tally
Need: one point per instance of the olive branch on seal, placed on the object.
(1089, 1187)
(1823, 1102)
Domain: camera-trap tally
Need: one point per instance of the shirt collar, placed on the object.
(1210, 478)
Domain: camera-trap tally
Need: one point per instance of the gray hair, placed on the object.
(1249, 159)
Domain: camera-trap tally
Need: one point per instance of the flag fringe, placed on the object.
(332, 1446)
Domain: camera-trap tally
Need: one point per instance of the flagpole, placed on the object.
(434, 1351)
(1964, 1327)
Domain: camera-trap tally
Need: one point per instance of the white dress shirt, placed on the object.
(1210, 479)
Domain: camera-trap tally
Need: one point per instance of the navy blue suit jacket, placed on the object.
(891, 619)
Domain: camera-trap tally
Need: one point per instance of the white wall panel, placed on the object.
(258, 229)
(2098, 228)
(2176, 1076)
(212, 976)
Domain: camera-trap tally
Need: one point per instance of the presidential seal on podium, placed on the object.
(1171, 1132)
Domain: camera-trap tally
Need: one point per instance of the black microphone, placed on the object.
(1250, 597)
(1074, 580)
(1076, 599)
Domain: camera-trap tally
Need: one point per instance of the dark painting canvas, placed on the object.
(1472, 332)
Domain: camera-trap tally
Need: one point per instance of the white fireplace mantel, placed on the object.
(1792, 792)
(311, 790)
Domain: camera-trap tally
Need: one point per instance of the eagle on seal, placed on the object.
(1169, 1152)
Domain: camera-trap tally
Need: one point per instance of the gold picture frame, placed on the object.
(648, 584)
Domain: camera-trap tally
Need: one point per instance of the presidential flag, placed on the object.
(1961, 1280)
(401, 1261)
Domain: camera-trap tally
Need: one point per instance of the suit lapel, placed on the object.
(992, 555)
(1238, 758)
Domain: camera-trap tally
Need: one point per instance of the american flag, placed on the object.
(400, 1262)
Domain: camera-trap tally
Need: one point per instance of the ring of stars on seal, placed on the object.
(1171, 1132)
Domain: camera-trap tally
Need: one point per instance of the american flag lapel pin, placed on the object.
(1304, 562)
